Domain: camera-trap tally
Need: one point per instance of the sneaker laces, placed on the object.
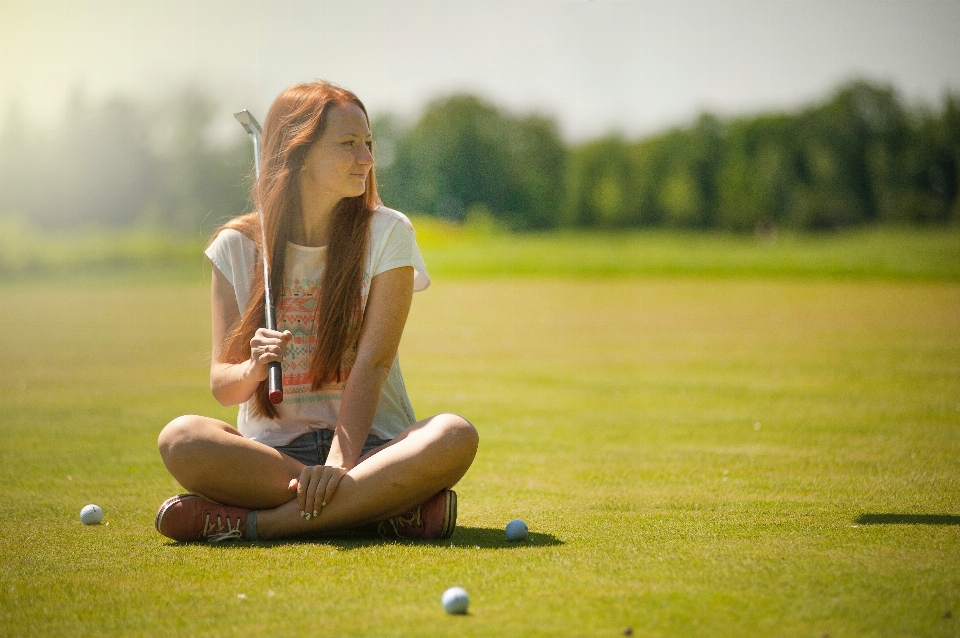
(232, 533)
(410, 519)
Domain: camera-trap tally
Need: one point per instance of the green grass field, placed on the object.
(697, 452)
(477, 250)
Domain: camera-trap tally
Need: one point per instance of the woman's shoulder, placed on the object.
(387, 217)
(239, 229)
(230, 236)
(231, 249)
(394, 244)
(229, 241)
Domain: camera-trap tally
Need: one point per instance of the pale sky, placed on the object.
(596, 66)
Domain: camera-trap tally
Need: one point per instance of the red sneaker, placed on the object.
(437, 518)
(189, 517)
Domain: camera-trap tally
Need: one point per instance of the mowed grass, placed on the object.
(705, 456)
(483, 250)
(919, 254)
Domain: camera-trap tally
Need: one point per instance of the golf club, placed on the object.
(274, 382)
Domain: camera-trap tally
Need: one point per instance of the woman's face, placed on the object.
(338, 164)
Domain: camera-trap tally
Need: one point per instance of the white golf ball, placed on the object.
(91, 514)
(455, 600)
(516, 530)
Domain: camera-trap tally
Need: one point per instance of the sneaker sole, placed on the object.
(450, 520)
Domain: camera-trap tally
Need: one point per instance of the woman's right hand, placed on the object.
(267, 346)
(315, 487)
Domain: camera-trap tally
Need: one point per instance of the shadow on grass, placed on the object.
(463, 537)
(908, 519)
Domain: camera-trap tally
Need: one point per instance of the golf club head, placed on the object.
(249, 123)
(252, 127)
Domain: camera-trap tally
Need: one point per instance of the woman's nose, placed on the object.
(366, 156)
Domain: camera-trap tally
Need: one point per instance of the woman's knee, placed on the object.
(459, 433)
(176, 435)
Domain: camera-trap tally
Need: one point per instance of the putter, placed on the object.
(274, 382)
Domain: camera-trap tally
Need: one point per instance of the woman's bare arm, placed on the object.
(385, 316)
(235, 383)
(383, 320)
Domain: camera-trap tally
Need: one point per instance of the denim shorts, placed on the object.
(312, 448)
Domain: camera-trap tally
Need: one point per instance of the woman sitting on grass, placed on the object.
(344, 448)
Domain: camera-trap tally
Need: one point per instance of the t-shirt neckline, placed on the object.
(309, 248)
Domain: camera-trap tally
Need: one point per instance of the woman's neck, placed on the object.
(311, 229)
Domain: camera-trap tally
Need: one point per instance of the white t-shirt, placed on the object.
(393, 244)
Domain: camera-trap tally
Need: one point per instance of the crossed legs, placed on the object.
(210, 458)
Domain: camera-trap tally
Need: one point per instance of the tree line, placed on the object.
(863, 156)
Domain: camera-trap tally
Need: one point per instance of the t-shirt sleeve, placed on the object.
(234, 254)
(400, 249)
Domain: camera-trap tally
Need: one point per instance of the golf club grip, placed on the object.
(274, 380)
(274, 384)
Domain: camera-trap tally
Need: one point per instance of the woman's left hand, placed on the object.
(315, 487)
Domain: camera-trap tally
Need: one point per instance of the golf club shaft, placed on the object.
(274, 373)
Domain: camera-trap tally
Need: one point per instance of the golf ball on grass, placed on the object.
(455, 600)
(91, 514)
(516, 530)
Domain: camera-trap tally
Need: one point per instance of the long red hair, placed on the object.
(296, 120)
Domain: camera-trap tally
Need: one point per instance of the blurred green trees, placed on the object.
(466, 154)
(861, 157)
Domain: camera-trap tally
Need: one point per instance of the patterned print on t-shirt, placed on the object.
(297, 312)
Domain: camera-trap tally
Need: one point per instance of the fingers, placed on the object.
(316, 480)
(315, 488)
(302, 485)
(311, 480)
(268, 346)
(318, 502)
(326, 488)
(332, 484)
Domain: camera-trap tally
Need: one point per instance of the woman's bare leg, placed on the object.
(429, 456)
(210, 458)
(207, 457)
